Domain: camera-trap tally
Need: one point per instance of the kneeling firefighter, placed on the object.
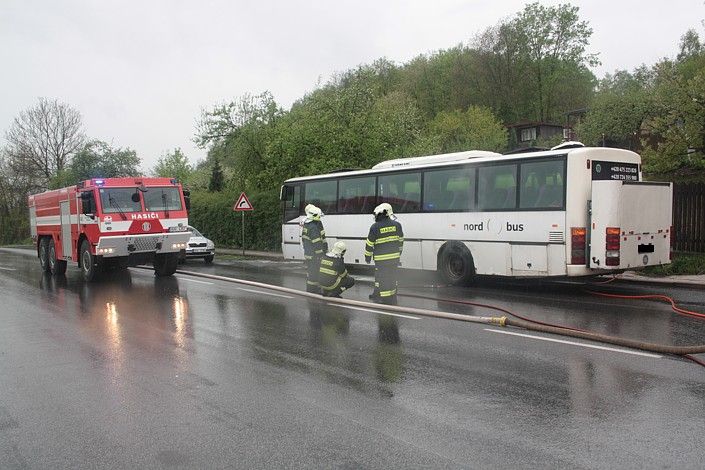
(313, 237)
(333, 276)
(384, 244)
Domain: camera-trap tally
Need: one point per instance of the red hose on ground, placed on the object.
(665, 298)
(684, 351)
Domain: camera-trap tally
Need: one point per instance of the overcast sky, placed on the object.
(141, 71)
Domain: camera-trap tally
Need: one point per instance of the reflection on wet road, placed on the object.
(138, 371)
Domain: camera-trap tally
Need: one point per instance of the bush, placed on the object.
(14, 228)
(683, 264)
(212, 214)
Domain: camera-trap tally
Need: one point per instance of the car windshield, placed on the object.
(118, 200)
(195, 232)
(162, 199)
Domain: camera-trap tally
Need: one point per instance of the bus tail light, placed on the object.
(612, 246)
(577, 245)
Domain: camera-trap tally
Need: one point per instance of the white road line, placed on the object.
(374, 311)
(193, 280)
(605, 348)
(8, 269)
(266, 293)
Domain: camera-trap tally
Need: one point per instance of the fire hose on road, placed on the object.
(498, 321)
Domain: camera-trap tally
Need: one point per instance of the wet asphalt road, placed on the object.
(185, 372)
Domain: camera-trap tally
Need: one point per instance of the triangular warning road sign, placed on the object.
(243, 204)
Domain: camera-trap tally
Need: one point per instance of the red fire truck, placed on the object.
(111, 223)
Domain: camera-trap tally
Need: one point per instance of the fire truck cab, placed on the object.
(111, 223)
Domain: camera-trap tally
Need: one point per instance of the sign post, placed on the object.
(242, 205)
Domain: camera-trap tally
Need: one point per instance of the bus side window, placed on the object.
(356, 195)
(292, 203)
(402, 191)
(449, 190)
(542, 185)
(497, 187)
(530, 189)
(323, 194)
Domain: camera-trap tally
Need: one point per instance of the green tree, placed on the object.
(237, 134)
(474, 129)
(529, 60)
(677, 125)
(617, 113)
(217, 181)
(174, 165)
(98, 159)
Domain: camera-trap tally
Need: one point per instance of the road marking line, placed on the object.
(605, 348)
(8, 269)
(265, 293)
(374, 311)
(193, 280)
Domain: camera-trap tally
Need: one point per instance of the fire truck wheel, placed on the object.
(165, 264)
(88, 266)
(56, 266)
(44, 254)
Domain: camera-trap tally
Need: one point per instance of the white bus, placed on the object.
(570, 211)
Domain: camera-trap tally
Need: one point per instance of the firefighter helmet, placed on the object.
(384, 209)
(339, 249)
(313, 212)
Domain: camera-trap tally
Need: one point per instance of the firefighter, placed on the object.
(333, 276)
(384, 245)
(313, 237)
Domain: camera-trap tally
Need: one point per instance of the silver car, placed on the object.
(199, 246)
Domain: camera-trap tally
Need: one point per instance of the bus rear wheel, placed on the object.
(57, 267)
(456, 265)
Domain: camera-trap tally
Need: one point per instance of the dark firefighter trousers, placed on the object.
(313, 264)
(386, 282)
(345, 283)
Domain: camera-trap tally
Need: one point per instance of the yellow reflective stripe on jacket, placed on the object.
(387, 256)
(391, 238)
(328, 271)
(369, 246)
